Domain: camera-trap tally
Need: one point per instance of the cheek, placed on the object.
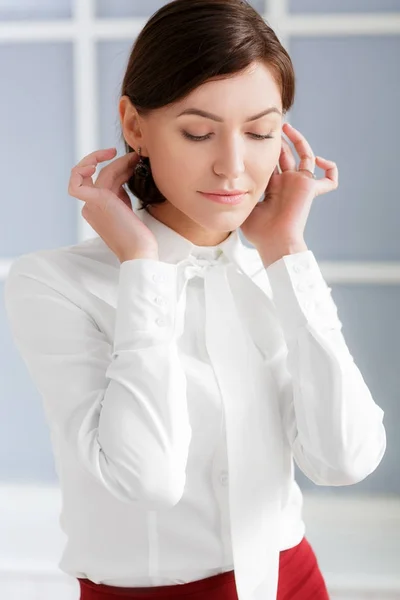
(172, 169)
(264, 163)
(170, 154)
(163, 159)
(187, 163)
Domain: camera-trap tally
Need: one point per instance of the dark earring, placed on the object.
(141, 169)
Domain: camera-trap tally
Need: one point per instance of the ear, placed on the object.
(131, 124)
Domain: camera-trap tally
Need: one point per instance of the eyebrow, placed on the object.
(207, 115)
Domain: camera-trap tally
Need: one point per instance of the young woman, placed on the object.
(182, 370)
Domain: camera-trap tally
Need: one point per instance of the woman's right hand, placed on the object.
(108, 207)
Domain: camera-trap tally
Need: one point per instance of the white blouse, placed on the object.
(177, 393)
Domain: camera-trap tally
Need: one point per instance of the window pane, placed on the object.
(36, 120)
(127, 8)
(259, 5)
(345, 6)
(34, 9)
(347, 99)
(112, 61)
(138, 8)
(371, 328)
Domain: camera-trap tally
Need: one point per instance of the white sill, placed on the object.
(356, 539)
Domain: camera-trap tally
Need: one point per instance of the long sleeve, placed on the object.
(334, 426)
(119, 408)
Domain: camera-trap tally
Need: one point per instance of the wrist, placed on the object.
(137, 256)
(269, 257)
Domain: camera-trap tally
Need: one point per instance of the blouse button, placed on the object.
(302, 286)
(158, 277)
(160, 301)
(161, 322)
(223, 478)
(297, 268)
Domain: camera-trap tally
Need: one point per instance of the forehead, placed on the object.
(236, 96)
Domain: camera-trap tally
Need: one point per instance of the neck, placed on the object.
(175, 219)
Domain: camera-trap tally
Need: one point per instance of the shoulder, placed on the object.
(74, 267)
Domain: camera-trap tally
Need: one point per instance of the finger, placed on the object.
(124, 196)
(331, 180)
(287, 161)
(113, 175)
(90, 162)
(276, 171)
(85, 173)
(81, 176)
(77, 187)
(303, 148)
(94, 158)
(96, 197)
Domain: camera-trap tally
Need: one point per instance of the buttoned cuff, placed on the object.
(146, 303)
(301, 294)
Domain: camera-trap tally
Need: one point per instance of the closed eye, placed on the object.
(196, 138)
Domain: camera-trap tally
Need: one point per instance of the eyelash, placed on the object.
(195, 138)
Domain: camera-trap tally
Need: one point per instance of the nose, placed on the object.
(230, 163)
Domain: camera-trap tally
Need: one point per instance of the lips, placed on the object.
(226, 192)
(225, 199)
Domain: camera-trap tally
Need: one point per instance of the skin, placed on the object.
(231, 158)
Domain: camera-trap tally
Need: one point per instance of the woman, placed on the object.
(181, 370)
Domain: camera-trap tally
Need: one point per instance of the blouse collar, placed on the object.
(174, 247)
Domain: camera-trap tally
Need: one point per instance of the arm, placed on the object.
(334, 426)
(120, 409)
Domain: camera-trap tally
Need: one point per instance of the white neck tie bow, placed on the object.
(253, 434)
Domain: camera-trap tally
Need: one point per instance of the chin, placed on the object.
(222, 220)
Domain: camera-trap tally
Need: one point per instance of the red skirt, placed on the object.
(299, 579)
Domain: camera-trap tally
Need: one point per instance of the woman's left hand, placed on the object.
(277, 224)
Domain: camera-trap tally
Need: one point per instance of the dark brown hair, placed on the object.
(188, 42)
